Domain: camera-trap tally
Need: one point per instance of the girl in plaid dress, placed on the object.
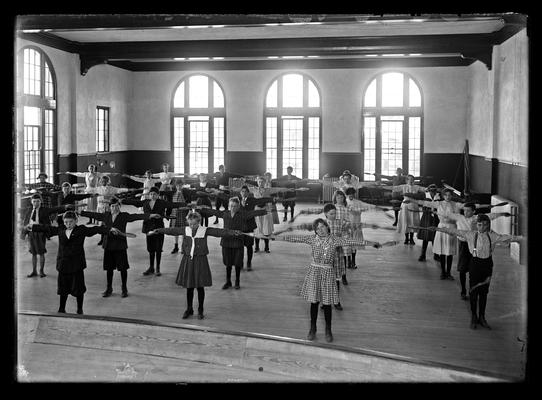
(318, 285)
(178, 215)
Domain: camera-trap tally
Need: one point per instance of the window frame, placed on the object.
(305, 111)
(185, 112)
(379, 111)
(106, 132)
(44, 104)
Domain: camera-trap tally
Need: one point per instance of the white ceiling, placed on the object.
(345, 29)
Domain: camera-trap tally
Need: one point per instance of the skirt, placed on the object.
(319, 285)
(428, 219)
(73, 283)
(264, 224)
(180, 218)
(275, 214)
(233, 256)
(36, 243)
(408, 216)
(357, 234)
(92, 202)
(480, 269)
(444, 244)
(115, 259)
(465, 256)
(194, 272)
(248, 241)
(155, 243)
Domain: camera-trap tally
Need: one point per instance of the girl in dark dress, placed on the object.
(194, 271)
(429, 218)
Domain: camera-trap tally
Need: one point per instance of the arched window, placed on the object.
(36, 105)
(392, 117)
(198, 125)
(292, 119)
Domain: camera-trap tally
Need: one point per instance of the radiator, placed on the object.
(507, 225)
(328, 189)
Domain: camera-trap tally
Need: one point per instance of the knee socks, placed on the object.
(424, 247)
(63, 299)
(327, 315)
(396, 212)
(228, 273)
(237, 274)
(189, 298)
(151, 260)
(443, 264)
(80, 302)
(109, 279)
(353, 258)
(250, 251)
(314, 314)
(124, 279)
(449, 260)
(266, 241)
(201, 298)
(257, 243)
(474, 302)
(482, 305)
(158, 258)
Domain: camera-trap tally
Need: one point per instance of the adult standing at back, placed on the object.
(288, 181)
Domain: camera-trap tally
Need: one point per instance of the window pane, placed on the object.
(178, 100)
(218, 96)
(292, 144)
(49, 89)
(414, 96)
(178, 145)
(218, 143)
(271, 99)
(199, 147)
(414, 145)
(314, 148)
(32, 116)
(198, 92)
(292, 90)
(392, 89)
(271, 146)
(392, 146)
(369, 146)
(370, 95)
(314, 97)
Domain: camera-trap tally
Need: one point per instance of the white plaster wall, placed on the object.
(444, 89)
(498, 103)
(65, 66)
(106, 86)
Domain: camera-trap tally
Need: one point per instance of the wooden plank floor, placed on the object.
(393, 303)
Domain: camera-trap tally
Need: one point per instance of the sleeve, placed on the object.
(307, 239)
(78, 174)
(342, 241)
(217, 232)
(505, 238)
(94, 215)
(81, 196)
(133, 202)
(254, 213)
(49, 229)
(263, 201)
(174, 204)
(457, 232)
(94, 230)
(136, 217)
(53, 210)
(137, 179)
(206, 212)
(177, 231)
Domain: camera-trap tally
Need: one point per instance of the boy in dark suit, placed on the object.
(70, 260)
(36, 240)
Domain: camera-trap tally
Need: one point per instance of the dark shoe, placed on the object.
(107, 293)
(249, 267)
(216, 221)
(124, 293)
(421, 258)
(442, 276)
(338, 307)
(158, 273)
(149, 271)
(100, 243)
(464, 296)
(256, 250)
(42, 275)
(450, 277)
(482, 321)
(188, 313)
(329, 335)
(354, 266)
(33, 274)
(395, 223)
(267, 250)
(200, 315)
(473, 322)
(227, 285)
(89, 222)
(312, 334)
(175, 250)
(237, 286)
(406, 242)
(284, 219)
(79, 311)
(62, 310)
(411, 241)
(345, 282)
(436, 257)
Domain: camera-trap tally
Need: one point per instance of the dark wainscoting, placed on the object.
(444, 166)
(246, 162)
(335, 163)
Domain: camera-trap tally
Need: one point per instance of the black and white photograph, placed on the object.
(245, 198)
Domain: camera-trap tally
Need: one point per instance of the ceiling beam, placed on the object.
(406, 62)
